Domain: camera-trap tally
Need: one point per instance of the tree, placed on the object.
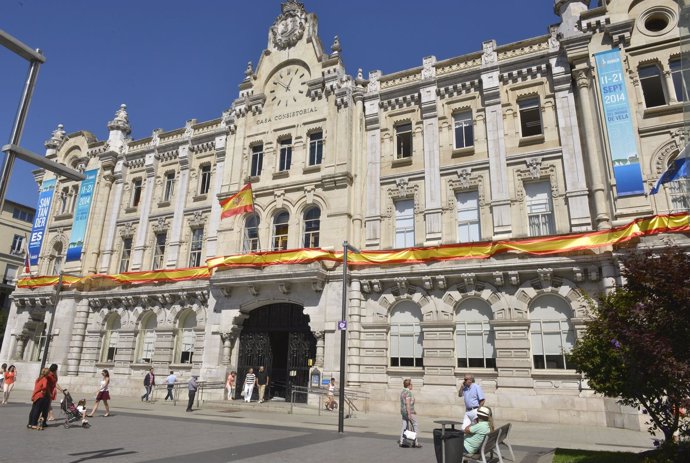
(637, 347)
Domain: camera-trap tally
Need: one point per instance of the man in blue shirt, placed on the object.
(474, 398)
(170, 381)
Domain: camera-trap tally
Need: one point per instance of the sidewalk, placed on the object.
(532, 442)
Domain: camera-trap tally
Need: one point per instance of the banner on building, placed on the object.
(619, 127)
(45, 198)
(81, 216)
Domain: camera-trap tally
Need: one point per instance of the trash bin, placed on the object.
(453, 442)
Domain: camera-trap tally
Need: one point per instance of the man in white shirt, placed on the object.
(249, 381)
(170, 381)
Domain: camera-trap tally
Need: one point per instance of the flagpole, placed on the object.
(258, 223)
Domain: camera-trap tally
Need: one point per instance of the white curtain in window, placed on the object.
(406, 334)
(404, 223)
(468, 216)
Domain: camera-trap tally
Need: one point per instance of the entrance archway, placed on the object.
(278, 337)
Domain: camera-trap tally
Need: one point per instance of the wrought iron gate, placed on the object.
(278, 337)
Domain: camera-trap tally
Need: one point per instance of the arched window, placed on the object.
(56, 259)
(280, 231)
(251, 233)
(186, 337)
(474, 338)
(147, 338)
(111, 338)
(312, 224)
(406, 335)
(551, 332)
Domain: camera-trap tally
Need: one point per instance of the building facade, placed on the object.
(15, 227)
(509, 146)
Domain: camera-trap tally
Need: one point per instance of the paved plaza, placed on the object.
(159, 431)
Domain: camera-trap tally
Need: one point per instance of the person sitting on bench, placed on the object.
(474, 434)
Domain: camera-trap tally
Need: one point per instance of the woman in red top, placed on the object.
(39, 397)
(8, 384)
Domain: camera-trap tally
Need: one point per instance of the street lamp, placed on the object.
(342, 326)
(49, 334)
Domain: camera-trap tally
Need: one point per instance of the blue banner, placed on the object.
(45, 197)
(622, 138)
(81, 216)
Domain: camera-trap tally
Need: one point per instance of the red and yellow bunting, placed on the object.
(561, 244)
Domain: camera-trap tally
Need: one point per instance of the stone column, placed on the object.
(77, 340)
(513, 360)
(151, 164)
(126, 346)
(569, 131)
(107, 245)
(214, 218)
(21, 344)
(432, 161)
(439, 348)
(164, 349)
(495, 137)
(670, 88)
(98, 219)
(227, 339)
(318, 361)
(176, 231)
(372, 211)
(354, 331)
(595, 162)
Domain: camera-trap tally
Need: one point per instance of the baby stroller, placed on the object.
(72, 413)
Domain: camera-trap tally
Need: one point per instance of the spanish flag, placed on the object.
(242, 201)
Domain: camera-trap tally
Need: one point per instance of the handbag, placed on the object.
(411, 435)
(242, 393)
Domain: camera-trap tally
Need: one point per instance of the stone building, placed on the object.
(15, 226)
(429, 171)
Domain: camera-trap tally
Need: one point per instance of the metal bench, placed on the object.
(488, 447)
(505, 430)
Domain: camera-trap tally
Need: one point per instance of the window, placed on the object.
(679, 84)
(159, 251)
(111, 339)
(257, 160)
(403, 141)
(464, 133)
(678, 192)
(652, 87)
(406, 336)
(280, 231)
(315, 148)
(251, 234)
(530, 117)
(23, 215)
(204, 179)
(312, 224)
(17, 245)
(169, 188)
(147, 337)
(74, 194)
(404, 223)
(136, 192)
(551, 332)
(125, 255)
(195, 247)
(10, 274)
(56, 257)
(468, 216)
(539, 209)
(285, 154)
(474, 339)
(39, 343)
(186, 337)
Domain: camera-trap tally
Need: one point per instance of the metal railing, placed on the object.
(181, 387)
(351, 395)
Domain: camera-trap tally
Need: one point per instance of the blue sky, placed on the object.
(174, 60)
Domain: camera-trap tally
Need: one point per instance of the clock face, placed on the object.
(288, 86)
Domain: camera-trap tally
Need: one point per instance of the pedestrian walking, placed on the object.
(331, 404)
(230, 385)
(409, 416)
(473, 395)
(249, 381)
(102, 394)
(149, 382)
(39, 396)
(8, 384)
(262, 380)
(170, 382)
(193, 385)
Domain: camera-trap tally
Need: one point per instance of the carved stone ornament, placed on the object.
(546, 172)
(554, 36)
(465, 181)
(127, 230)
(160, 225)
(489, 56)
(197, 220)
(121, 121)
(57, 138)
(289, 27)
(403, 191)
(534, 167)
(374, 85)
(428, 67)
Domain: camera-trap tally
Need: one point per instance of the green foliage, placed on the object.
(637, 348)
